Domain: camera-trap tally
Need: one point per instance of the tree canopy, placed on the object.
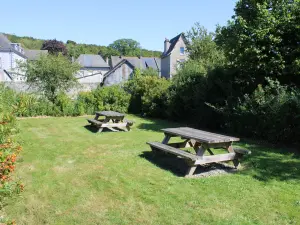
(75, 49)
(126, 46)
(51, 74)
(54, 47)
(262, 39)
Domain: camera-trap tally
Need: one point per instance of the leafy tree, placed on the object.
(51, 74)
(126, 47)
(108, 51)
(202, 47)
(262, 40)
(71, 42)
(148, 94)
(54, 47)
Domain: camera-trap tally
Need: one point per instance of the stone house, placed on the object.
(174, 53)
(10, 55)
(93, 68)
(122, 68)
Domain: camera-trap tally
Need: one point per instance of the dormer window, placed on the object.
(182, 51)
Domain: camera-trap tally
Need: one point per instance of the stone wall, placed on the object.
(24, 87)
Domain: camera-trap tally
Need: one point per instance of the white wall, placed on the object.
(6, 58)
(9, 62)
(176, 56)
(91, 75)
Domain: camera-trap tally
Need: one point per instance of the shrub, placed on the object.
(271, 112)
(111, 98)
(85, 103)
(8, 148)
(148, 95)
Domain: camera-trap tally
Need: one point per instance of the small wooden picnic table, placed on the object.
(111, 121)
(200, 141)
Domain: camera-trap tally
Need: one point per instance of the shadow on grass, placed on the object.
(167, 162)
(179, 167)
(94, 129)
(156, 125)
(267, 163)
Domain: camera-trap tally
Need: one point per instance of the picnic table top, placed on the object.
(199, 135)
(110, 113)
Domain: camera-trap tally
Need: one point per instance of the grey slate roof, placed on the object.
(34, 54)
(173, 42)
(89, 60)
(141, 63)
(5, 46)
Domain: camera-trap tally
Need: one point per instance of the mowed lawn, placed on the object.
(75, 176)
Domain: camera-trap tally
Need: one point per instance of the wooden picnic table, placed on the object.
(201, 141)
(111, 121)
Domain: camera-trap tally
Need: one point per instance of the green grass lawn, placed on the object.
(75, 176)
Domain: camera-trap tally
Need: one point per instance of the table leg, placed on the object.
(166, 139)
(236, 161)
(191, 170)
(199, 149)
(101, 128)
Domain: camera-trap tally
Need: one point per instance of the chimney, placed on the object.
(107, 60)
(167, 45)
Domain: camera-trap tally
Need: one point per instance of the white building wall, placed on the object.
(91, 75)
(9, 62)
(6, 60)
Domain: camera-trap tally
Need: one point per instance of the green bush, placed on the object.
(148, 95)
(271, 112)
(113, 98)
(85, 103)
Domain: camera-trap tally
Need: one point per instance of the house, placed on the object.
(34, 54)
(174, 54)
(93, 68)
(10, 55)
(122, 68)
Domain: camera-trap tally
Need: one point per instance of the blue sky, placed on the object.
(101, 22)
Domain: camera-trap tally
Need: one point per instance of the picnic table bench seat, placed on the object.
(241, 151)
(170, 149)
(95, 122)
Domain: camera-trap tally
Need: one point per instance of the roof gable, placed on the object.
(138, 62)
(173, 43)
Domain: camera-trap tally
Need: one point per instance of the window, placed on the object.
(181, 50)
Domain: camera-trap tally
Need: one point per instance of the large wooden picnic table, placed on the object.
(111, 121)
(201, 141)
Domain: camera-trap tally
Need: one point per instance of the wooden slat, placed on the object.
(114, 125)
(96, 122)
(210, 134)
(110, 114)
(241, 151)
(199, 135)
(175, 151)
(216, 158)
